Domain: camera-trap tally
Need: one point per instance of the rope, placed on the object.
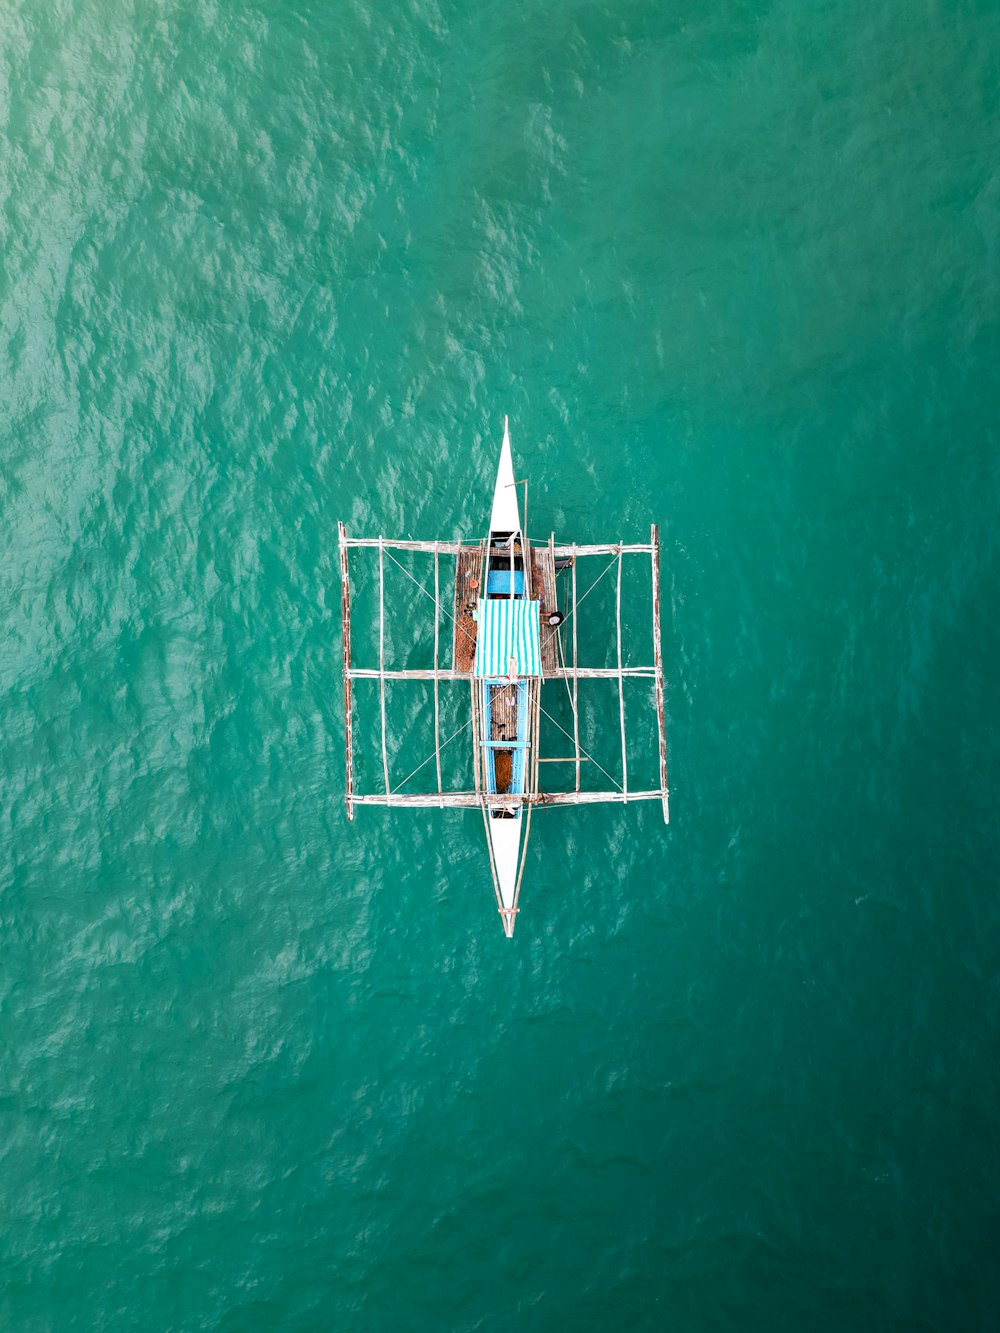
(579, 600)
(439, 748)
(431, 756)
(582, 750)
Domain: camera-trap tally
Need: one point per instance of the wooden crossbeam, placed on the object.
(445, 548)
(592, 797)
(477, 777)
(468, 799)
(576, 668)
(345, 620)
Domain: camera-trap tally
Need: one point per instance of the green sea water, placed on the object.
(731, 267)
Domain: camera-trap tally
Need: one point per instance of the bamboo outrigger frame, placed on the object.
(538, 564)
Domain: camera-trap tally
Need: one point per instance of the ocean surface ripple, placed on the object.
(732, 269)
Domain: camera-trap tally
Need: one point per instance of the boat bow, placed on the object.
(504, 516)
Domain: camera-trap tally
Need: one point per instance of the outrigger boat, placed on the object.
(507, 641)
(505, 738)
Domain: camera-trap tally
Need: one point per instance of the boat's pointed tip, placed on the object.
(505, 515)
(508, 923)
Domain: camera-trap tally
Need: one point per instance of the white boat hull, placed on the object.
(505, 834)
(504, 516)
(505, 842)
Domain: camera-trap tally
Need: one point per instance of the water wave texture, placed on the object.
(731, 269)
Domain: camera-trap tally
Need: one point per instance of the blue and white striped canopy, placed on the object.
(507, 629)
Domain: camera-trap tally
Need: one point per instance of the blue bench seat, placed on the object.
(498, 582)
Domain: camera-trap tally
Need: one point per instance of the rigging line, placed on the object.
(614, 561)
(431, 756)
(448, 742)
(582, 750)
(432, 598)
(460, 626)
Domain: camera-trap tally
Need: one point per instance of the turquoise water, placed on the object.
(732, 268)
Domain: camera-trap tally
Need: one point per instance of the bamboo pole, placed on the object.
(576, 687)
(381, 655)
(621, 683)
(600, 673)
(535, 689)
(345, 620)
(556, 673)
(625, 548)
(469, 799)
(421, 673)
(654, 541)
(446, 548)
(421, 800)
(437, 702)
(561, 552)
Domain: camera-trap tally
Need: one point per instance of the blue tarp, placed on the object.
(507, 629)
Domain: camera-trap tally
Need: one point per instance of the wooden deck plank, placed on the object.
(543, 589)
(468, 567)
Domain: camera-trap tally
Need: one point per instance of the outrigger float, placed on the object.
(508, 635)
